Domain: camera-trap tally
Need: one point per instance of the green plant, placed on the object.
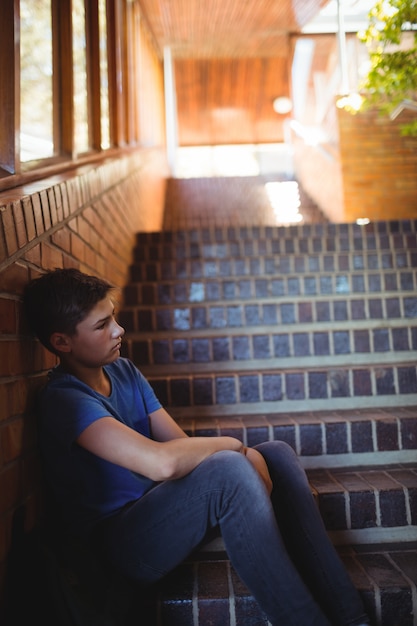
(391, 38)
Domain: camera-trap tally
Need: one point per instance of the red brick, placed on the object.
(13, 439)
(51, 257)
(9, 229)
(45, 209)
(13, 278)
(10, 484)
(52, 206)
(64, 197)
(20, 225)
(34, 255)
(3, 251)
(37, 213)
(4, 405)
(8, 319)
(77, 248)
(29, 218)
(62, 239)
(58, 203)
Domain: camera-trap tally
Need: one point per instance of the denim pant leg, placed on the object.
(153, 535)
(306, 538)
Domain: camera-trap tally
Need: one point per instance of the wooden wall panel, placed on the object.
(227, 101)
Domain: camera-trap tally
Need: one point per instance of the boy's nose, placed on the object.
(118, 330)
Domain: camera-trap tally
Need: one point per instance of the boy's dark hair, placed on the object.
(59, 300)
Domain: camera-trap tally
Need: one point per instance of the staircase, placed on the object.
(306, 334)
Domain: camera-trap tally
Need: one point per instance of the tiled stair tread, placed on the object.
(208, 587)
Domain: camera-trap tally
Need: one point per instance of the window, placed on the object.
(79, 56)
(85, 75)
(104, 82)
(36, 92)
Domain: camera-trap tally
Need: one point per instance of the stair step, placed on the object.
(362, 465)
(325, 440)
(336, 438)
(280, 312)
(326, 234)
(304, 334)
(178, 292)
(206, 590)
(332, 251)
(286, 390)
(367, 505)
(365, 343)
(263, 262)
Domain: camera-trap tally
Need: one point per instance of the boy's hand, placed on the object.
(260, 465)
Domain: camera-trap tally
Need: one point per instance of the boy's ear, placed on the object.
(60, 342)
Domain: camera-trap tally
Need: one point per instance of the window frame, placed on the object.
(123, 73)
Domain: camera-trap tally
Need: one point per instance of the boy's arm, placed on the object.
(158, 460)
(164, 427)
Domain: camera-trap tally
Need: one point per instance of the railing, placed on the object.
(405, 104)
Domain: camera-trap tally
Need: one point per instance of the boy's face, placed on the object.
(98, 338)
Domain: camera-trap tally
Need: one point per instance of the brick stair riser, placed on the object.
(282, 390)
(389, 284)
(241, 248)
(316, 434)
(225, 233)
(181, 251)
(296, 348)
(371, 499)
(206, 316)
(262, 264)
(328, 234)
(344, 438)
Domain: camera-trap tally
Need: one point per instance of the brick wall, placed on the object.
(379, 167)
(87, 219)
(372, 173)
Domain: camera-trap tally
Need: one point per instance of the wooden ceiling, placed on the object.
(231, 59)
(201, 29)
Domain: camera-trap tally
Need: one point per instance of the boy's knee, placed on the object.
(230, 467)
(281, 459)
(277, 450)
(229, 459)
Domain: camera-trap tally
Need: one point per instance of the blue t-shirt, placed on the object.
(87, 488)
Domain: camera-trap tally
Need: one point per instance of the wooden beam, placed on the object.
(10, 86)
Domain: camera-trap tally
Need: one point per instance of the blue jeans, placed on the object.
(278, 545)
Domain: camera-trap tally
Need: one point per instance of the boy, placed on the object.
(126, 477)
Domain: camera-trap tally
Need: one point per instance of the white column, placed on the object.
(341, 39)
(170, 110)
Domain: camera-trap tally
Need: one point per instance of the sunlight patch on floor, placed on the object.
(285, 201)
